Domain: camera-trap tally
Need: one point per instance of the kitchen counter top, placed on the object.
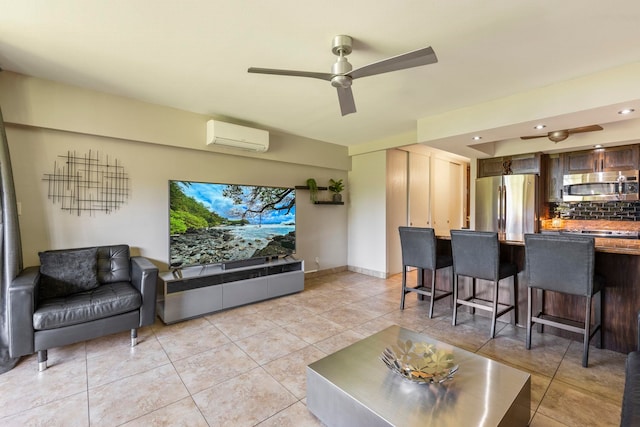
(630, 246)
(612, 246)
(618, 246)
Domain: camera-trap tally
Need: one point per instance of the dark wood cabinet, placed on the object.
(553, 167)
(621, 158)
(602, 160)
(554, 172)
(526, 163)
(521, 164)
(491, 167)
(580, 161)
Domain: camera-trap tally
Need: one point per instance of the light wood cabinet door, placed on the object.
(419, 185)
(448, 194)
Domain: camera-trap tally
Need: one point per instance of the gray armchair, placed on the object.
(77, 295)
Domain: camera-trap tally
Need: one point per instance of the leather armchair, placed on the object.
(124, 297)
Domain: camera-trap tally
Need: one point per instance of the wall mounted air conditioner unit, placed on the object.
(236, 136)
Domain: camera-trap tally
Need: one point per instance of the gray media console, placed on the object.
(206, 289)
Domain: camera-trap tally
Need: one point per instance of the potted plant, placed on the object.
(313, 189)
(336, 187)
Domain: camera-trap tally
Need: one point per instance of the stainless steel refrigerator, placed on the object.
(507, 204)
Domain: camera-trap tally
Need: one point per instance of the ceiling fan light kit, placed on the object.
(342, 73)
(558, 135)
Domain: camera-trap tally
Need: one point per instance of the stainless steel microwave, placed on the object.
(600, 186)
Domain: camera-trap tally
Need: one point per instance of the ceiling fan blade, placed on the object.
(416, 58)
(314, 75)
(534, 136)
(345, 97)
(585, 129)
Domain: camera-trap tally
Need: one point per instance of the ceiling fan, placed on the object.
(342, 74)
(561, 135)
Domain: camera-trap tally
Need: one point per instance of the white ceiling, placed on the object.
(194, 54)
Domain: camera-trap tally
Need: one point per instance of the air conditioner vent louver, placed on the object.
(236, 136)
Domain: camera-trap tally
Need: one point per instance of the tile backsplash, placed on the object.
(613, 211)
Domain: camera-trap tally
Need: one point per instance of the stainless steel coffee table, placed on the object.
(352, 387)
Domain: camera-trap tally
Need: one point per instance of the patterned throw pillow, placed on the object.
(67, 272)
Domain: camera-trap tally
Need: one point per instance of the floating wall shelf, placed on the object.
(319, 202)
(305, 187)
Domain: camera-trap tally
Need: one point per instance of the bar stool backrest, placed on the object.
(476, 254)
(560, 263)
(418, 247)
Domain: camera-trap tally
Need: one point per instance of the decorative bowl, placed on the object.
(420, 362)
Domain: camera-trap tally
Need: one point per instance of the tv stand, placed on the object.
(201, 291)
(228, 265)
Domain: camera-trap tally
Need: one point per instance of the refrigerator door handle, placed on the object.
(500, 207)
(504, 209)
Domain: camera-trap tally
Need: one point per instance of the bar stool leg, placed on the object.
(404, 286)
(598, 315)
(529, 315)
(541, 295)
(433, 292)
(587, 325)
(514, 301)
(454, 317)
(452, 300)
(473, 294)
(494, 311)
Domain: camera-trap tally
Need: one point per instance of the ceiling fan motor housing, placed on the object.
(339, 69)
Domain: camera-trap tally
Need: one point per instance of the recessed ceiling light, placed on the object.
(477, 138)
(538, 127)
(626, 111)
(597, 146)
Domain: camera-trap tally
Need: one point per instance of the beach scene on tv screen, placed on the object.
(213, 223)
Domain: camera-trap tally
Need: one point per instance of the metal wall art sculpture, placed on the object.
(85, 183)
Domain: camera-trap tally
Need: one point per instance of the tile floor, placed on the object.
(246, 366)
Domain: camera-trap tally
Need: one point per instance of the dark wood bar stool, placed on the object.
(419, 251)
(476, 254)
(565, 264)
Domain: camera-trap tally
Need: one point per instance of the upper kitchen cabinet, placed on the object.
(508, 165)
(525, 163)
(553, 177)
(491, 167)
(602, 160)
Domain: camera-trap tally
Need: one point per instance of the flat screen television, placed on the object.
(212, 223)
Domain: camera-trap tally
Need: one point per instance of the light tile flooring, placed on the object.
(246, 366)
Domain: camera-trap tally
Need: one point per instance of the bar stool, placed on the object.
(419, 251)
(476, 254)
(565, 264)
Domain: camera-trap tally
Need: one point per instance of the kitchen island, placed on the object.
(617, 261)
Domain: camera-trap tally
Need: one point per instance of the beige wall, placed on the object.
(367, 214)
(155, 144)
